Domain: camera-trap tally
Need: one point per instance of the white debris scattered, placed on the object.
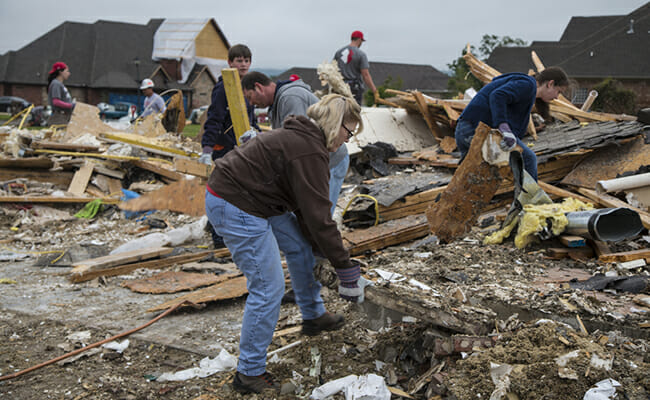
(604, 390)
(117, 346)
(366, 387)
(207, 366)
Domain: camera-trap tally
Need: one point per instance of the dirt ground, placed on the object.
(499, 287)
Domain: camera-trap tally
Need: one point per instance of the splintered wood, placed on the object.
(229, 289)
(175, 281)
(186, 196)
(470, 190)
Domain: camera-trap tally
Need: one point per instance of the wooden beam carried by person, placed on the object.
(472, 187)
(236, 102)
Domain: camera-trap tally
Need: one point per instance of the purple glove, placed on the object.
(349, 283)
(509, 140)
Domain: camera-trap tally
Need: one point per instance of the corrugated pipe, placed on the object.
(605, 224)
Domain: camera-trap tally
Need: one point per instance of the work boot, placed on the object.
(326, 322)
(254, 384)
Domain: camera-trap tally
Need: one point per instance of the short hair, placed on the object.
(555, 74)
(332, 111)
(239, 50)
(249, 80)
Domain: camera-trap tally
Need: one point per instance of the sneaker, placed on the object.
(326, 322)
(254, 384)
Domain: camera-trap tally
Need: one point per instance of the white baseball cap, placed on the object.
(147, 83)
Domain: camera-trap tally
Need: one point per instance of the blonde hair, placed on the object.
(332, 111)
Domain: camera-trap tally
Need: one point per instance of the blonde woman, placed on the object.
(272, 195)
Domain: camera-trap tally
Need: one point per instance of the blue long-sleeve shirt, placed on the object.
(218, 132)
(508, 98)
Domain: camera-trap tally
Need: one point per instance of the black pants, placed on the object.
(356, 88)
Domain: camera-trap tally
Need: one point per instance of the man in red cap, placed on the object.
(353, 64)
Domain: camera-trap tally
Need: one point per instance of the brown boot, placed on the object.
(326, 322)
(254, 384)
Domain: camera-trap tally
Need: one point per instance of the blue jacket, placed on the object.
(218, 133)
(508, 98)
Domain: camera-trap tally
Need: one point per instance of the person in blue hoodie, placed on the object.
(505, 104)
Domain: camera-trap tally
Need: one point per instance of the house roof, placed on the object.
(589, 49)
(175, 36)
(413, 76)
(104, 54)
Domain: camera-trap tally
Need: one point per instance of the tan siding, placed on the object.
(209, 44)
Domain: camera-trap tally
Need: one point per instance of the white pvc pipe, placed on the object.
(625, 183)
(590, 100)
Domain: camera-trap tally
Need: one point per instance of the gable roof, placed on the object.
(104, 54)
(588, 52)
(175, 37)
(413, 76)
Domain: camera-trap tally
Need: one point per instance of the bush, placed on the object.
(614, 98)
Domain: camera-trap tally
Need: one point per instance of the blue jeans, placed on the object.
(255, 245)
(465, 132)
(337, 175)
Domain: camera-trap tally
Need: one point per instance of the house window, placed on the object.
(580, 95)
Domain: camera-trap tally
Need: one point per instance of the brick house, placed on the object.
(108, 60)
(590, 50)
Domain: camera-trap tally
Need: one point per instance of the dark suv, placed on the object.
(13, 104)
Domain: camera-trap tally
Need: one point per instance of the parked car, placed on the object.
(13, 104)
(119, 110)
(195, 115)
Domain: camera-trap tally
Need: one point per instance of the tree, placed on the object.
(389, 83)
(461, 78)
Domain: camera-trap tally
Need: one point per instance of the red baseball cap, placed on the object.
(58, 66)
(358, 35)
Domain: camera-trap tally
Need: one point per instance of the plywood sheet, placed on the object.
(185, 196)
(85, 119)
(608, 162)
(175, 281)
(229, 289)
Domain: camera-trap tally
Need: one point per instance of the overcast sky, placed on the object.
(286, 33)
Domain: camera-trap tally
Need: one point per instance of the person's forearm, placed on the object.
(367, 78)
(61, 104)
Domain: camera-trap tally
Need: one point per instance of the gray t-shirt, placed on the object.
(57, 90)
(351, 61)
(153, 104)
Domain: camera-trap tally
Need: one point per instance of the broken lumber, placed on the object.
(472, 187)
(625, 256)
(553, 190)
(428, 118)
(193, 167)
(84, 267)
(236, 102)
(387, 234)
(153, 264)
(81, 178)
(175, 281)
(53, 199)
(573, 241)
(579, 253)
(229, 289)
(186, 196)
(44, 144)
(159, 169)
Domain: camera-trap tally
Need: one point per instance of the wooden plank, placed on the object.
(81, 179)
(236, 102)
(27, 163)
(114, 186)
(550, 189)
(229, 289)
(140, 142)
(175, 281)
(153, 264)
(52, 199)
(61, 179)
(159, 169)
(127, 257)
(386, 234)
(109, 172)
(611, 201)
(185, 196)
(625, 256)
(44, 144)
(580, 253)
(428, 118)
(471, 188)
(573, 241)
(193, 167)
(599, 247)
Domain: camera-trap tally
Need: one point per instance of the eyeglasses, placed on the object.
(350, 133)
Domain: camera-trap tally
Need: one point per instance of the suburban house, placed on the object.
(590, 50)
(108, 60)
(424, 78)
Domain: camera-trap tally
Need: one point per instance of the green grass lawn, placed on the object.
(191, 130)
